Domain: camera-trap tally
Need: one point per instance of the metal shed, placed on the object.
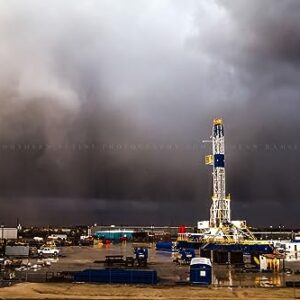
(200, 271)
(17, 250)
(8, 233)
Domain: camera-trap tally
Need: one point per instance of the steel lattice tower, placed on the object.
(220, 208)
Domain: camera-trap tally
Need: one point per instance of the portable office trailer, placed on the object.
(114, 234)
(201, 271)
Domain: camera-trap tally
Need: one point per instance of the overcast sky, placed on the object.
(104, 105)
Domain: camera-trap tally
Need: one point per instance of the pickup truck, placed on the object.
(48, 251)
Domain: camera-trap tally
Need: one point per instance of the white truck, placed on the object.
(48, 251)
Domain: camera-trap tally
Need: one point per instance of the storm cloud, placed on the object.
(104, 106)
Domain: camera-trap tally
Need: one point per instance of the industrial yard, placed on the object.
(228, 282)
(73, 259)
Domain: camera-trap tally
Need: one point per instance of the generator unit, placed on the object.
(141, 255)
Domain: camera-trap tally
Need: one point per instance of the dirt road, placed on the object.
(120, 292)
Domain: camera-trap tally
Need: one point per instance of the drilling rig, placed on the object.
(220, 232)
(220, 226)
(220, 208)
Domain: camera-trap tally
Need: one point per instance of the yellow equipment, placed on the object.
(218, 121)
(209, 159)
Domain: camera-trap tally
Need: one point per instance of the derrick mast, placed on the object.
(220, 208)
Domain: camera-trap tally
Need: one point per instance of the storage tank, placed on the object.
(201, 271)
(165, 246)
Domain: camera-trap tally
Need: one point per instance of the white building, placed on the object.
(8, 233)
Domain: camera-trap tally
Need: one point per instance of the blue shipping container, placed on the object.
(116, 276)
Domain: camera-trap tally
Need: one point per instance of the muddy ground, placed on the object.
(118, 292)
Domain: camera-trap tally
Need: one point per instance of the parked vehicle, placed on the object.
(48, 251)
(184, 256)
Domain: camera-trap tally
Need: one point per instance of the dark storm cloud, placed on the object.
(259, 43)
(116, 98)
